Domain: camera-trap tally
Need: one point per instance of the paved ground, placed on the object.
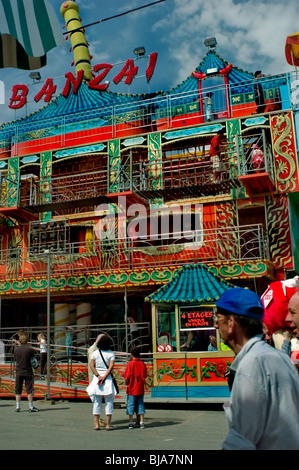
(68, 426)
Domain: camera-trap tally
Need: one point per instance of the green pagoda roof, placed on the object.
(192, 283)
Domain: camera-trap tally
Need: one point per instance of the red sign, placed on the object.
(129, 71)
(196, 318)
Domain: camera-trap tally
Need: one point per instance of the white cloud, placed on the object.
(251, 34)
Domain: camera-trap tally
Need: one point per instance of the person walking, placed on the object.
(135, 375)
(24, 373)
(102, 363)
(263, 411)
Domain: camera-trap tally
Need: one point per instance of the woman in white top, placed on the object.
(43, 354)
(102, 383)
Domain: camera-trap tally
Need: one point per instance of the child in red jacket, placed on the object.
(135, 375)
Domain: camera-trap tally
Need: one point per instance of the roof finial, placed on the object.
(70, 12)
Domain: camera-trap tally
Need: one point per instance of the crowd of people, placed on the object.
(263, 409)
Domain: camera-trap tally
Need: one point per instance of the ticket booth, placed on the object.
(189, 359)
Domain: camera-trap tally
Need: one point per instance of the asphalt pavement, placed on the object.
(183, 429)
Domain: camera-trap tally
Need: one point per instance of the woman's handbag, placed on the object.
(113, 378)
(34, 362)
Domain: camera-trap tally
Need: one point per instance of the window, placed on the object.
(198, 326)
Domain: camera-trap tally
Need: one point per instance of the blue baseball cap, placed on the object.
(242, 302)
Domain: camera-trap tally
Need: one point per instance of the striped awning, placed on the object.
(28, 30)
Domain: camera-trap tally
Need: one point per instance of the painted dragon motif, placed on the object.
(282, 147)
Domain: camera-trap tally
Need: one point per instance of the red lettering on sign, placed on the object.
(129, 70)
(76, 82)
(48, 89)
(151, 65)
(19, 99)
(20, 92)
(95, 82)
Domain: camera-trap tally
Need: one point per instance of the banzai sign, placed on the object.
(129, 71)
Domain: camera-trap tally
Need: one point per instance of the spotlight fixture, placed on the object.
(210, 42)
(35, 76)
(140, 51)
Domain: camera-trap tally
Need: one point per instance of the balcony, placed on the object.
(230, 244)
(169, 178)
(256, 165)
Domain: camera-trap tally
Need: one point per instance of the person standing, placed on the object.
(102, 363)
(293, 314)
(208, 104)
(263, 411)
(135, 375)
(90, 351)
(218, 145)
(293, 320)
(259, 93)
(43, 354)
(24, 372)
(257, 157)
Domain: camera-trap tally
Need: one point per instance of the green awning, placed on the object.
(192, 283)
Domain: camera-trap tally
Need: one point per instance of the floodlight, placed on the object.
(210, 42)
(140, 51)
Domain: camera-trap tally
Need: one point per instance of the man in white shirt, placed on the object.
(263, 411)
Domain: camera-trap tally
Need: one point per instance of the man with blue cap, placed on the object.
(263, 411)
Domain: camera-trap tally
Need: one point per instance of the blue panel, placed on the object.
(285, 97)
(191, 392)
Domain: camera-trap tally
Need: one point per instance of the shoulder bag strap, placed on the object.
(106, 364)
(103, 358)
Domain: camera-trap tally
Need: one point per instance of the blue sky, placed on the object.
(251, 35)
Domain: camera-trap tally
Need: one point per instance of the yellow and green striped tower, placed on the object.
(70, 12)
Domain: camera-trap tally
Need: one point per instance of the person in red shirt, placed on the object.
(218, 145)
(135, 375)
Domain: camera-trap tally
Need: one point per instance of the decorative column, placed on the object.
(45, 182)
(200, 76)
(155, 167)
(83, 318)
(13, 184)
(61, 320)
(114, 162)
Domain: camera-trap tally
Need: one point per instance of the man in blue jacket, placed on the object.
(263, 411)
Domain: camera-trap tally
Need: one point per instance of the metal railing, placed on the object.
(142, 176)
(255, 154)
(81, 338)
(234, 243)
(155, 175)
(67, 350)
(165, 111)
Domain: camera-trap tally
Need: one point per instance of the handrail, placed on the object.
(234, 243)
(80, 339)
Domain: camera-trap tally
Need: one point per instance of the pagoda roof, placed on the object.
(75, 106)
(191, 284)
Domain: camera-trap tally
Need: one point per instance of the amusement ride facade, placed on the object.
(111, 208)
